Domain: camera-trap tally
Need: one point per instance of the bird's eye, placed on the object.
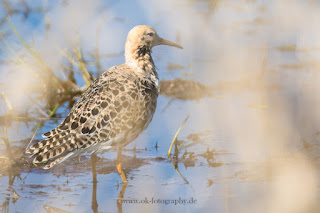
(150, 34)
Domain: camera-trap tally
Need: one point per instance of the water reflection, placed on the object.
(52, 209)
(120, 197)
(94, 203)
(184, 89)
(10, 192)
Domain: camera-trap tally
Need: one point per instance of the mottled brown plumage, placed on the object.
(114, 110)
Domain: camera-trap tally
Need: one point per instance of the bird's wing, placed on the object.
(110, 106)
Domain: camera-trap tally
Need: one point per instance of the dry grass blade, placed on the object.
(34, 104)
(66, 54)
(25, 44)
(176, 135)
(82, 65)
(35, 132)
(6, 100)
(9, 51)
(56, 82)
(4, 137)
(97, 51)
(9, 48)
(264, 60)
(25, 119)
(2, 48)
(53, 111)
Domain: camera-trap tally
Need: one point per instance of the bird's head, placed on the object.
(143, 38)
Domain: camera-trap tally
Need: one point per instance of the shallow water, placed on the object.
(251, 145)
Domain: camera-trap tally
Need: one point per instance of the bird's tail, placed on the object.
(53, 150)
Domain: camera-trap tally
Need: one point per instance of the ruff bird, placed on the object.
(113, 111)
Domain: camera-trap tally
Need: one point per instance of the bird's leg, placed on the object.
(93, 167)
(119, 166)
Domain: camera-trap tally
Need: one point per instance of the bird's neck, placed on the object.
(140, 57)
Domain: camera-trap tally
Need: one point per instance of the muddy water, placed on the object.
(249, 145)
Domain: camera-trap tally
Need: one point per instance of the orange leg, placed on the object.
(119, 167)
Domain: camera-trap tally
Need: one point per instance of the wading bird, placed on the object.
(113, 111)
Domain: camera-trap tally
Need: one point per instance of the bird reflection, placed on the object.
(94, 203)
(120, 197)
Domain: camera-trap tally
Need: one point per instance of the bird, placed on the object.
(113, 111)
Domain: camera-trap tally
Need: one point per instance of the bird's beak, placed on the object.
(166, 42)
